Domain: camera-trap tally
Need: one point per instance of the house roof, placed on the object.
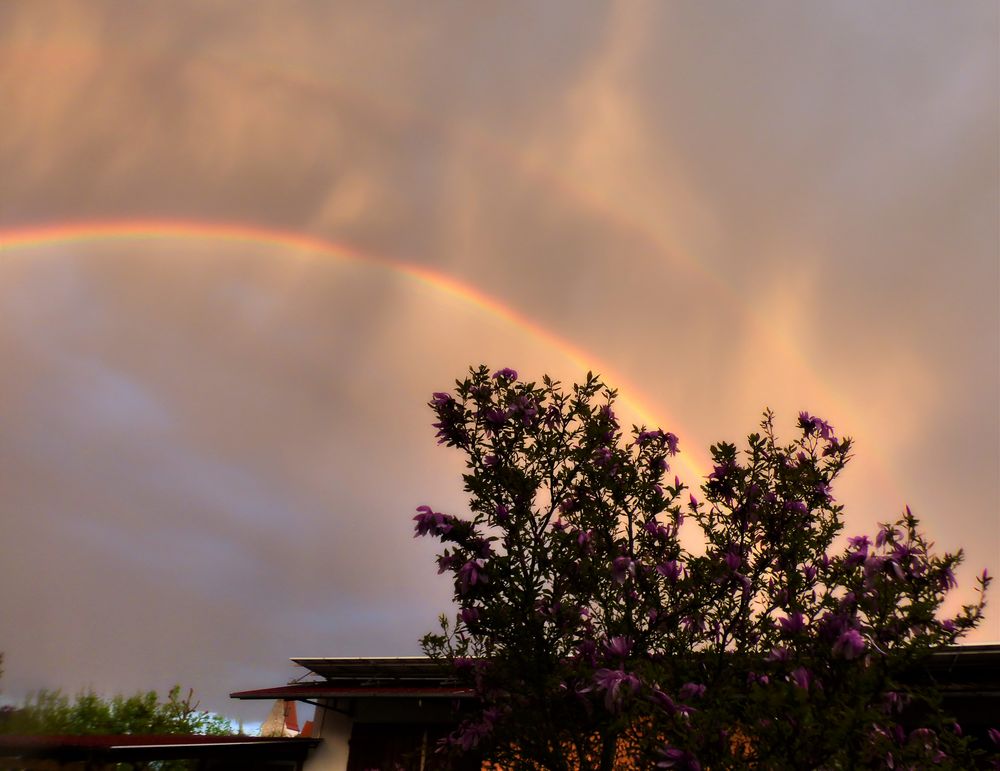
(334, 690)
(371, 669)
(961, 668)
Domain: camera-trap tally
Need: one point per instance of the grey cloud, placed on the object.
(210, 452)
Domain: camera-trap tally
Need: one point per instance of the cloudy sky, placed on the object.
(242, 242)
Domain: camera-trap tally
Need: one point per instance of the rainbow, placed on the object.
(191, 230)
(68, 52)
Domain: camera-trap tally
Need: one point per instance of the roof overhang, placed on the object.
(333, 690)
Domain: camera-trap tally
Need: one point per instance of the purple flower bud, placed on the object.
(490, 460)
(506, 373)
(671, 570)
(616, 685)
(495, 419)
(469, 615)
(802, 678)
(440, 399)
(678, 759)
(658, 531)
(792, 625)
(849, 645)
(502, 513)
(524, 407)
(719, 472)
(470, 735)
(888, 534)
(663, 701)
(692, 691)
(797, 507)
(602, 456)
(860, 545)
(779, 654)
(647, 436)
(430, 522)
(896, 569)
(470, 574)
(811, 425)
(622, 568)
(618, 646)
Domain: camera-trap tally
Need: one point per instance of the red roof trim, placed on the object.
(115, 741)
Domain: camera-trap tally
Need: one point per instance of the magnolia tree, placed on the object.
(597, 636)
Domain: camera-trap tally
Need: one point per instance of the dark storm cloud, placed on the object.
(210, 452)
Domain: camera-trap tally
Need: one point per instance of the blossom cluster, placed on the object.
(593, 624)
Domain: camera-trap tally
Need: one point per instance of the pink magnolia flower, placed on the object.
(779, 653)
(616, 684)
(671, 570)
(849, 645)
(793, 624)
(888, 534)
(471, 573)
(508, 374)
(430, 522)
(440, 399)
(678, 759)
(692, 691)
(802, 678)
(602, 456)
(469, 615)
(618, 646)
(813, 425)
(622, 568)
(646, 436)
(494, 419)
